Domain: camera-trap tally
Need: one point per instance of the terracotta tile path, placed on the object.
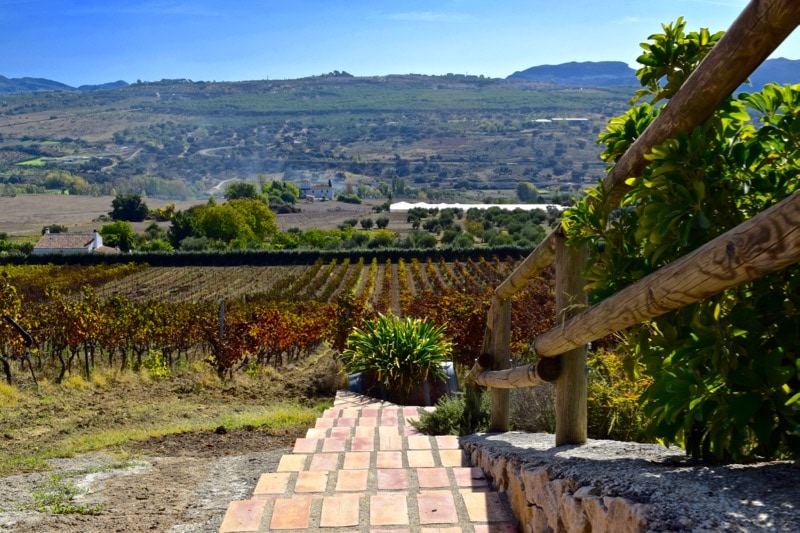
(364, 468)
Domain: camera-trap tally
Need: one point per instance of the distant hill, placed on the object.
(20, 85)
(617, 73)
(779, 70)
(596, 74)
(103, 86)
(26, 85)
(574, 73)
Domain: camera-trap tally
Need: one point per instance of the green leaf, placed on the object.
(702, 221)
(792, 400)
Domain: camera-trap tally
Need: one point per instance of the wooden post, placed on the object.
(501, 348)
(571, 385)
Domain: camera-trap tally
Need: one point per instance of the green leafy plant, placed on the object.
(157, 365)
(401, 353)
(463, 413)
(613, 400)
(725, 372)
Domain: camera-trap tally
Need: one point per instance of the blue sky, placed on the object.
(92, 41)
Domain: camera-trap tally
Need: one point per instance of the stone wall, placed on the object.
(620, 487)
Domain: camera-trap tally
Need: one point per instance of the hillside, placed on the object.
(437, 138)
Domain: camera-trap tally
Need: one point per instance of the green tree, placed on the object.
(281, 191)
(182, 225)
(527, 192)
(119, 234)
(129, 207)
(154, 231)
(223, 223)
(259, 217)
(239, 190)
(725, 374)
(65, 181)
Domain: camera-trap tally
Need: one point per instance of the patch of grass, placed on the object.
(274, 417)
(25, 463)
(57, 497)
(38, 162)
(119, 408)
(76, 382)
(9, 395)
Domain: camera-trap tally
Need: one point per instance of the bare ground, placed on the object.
(179, 483)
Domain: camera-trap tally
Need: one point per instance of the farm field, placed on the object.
(321, 282)
(25, 215)
(126, 316)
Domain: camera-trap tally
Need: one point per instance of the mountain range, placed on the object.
(25, 85)
(583, 74)
(617, 73)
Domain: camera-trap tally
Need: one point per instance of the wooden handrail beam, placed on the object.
(539, 373)
(760, 28)
(742, 254)
(768, 242)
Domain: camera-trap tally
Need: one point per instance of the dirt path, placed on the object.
(181, 483)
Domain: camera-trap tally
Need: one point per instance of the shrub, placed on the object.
(156, 365)
(613, 398)
(533, 409)
(349, 198)
(9, 395)
(463, 413)
(613, 403)
(725, 382)
(400, 352)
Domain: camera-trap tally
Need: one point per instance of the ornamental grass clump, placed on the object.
(401, 353)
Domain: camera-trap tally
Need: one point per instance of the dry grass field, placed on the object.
(25, 215)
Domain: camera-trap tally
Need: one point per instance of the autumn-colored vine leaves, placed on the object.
(78, 328)
(725, 370)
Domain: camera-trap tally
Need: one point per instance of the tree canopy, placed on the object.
(129, 207)
(239, 190)
(240, 223)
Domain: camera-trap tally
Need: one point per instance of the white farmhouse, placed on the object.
(71, 243)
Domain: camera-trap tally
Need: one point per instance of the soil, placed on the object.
(179, 483)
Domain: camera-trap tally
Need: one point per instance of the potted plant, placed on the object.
(399, 359)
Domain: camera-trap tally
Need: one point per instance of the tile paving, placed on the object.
(365, 468)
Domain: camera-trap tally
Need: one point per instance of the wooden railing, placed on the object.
(766, 243)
